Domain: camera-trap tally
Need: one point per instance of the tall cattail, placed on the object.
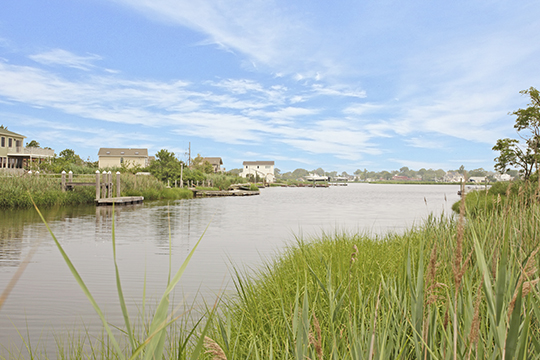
(526, 273)
(316, 342)
(214, 349)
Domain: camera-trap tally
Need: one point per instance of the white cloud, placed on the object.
(65, 58)
(421, 142)
(362, 109)
(342, 90)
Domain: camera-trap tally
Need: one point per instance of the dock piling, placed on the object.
(98, 185)
(118, 184)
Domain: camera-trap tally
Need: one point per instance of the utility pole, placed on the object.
(189, 155)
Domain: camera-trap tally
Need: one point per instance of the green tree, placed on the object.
(202, 165)
(32, 144)
(319, 171)
(298, 173)
(166, 166)
(512, 153)
(478, 172)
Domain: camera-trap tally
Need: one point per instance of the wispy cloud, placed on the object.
(65, 58)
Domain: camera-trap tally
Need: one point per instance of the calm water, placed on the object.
(241, 230)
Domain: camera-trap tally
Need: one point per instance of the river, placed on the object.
(46, 301)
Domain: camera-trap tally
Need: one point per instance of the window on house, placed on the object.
(108, 152)
(10, 142)
(3, 142)
(136, 153)
(122, 153)
(267, 167)
(18, 143)
(257, 166)
(246, 167)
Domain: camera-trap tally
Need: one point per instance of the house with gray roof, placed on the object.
(116, 157)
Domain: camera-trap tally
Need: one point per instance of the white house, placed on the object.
(503, 177)
(262, 169)
(453, 176)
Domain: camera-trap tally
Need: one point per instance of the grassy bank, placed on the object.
(16, 192)
(444, 290)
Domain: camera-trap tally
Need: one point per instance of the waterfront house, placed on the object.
(13, 155)
(453, 176)
(116, 157)
(216, 163)
(478, 179)
(262, 169)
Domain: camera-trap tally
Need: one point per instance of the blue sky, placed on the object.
(341, 85)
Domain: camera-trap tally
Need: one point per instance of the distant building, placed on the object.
(478, 179)
(116, 157)
(262, 169)
(503, 177)
(216, 163)
(453, 176)
(13, 155)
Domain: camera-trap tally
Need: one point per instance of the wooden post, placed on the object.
(109, 183)
(98, 186)
(104, 185)
(118, 184)
(70, 176)
(64, 180)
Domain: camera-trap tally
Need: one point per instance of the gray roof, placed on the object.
(11, 133)
(123, 152)
(258, 163)
(213, 160)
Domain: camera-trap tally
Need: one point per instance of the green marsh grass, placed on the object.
(17, 192)
(449, 289)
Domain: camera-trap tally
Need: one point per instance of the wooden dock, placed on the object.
(124, 200)
(217, 193)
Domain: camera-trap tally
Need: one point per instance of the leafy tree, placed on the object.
(478, 172)
(298, 173)
(235, 171)
(386, 175)
(202, 165)
(332, 174)
(319, 171)
(512, 153)
(32, 144)
(166, 166)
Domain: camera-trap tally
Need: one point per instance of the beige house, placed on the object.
(13, 155)
(216, 163)
(116, 157)
(262, 169)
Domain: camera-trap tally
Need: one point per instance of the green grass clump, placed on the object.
(16, 192)
(500, 197)
(449, 289)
